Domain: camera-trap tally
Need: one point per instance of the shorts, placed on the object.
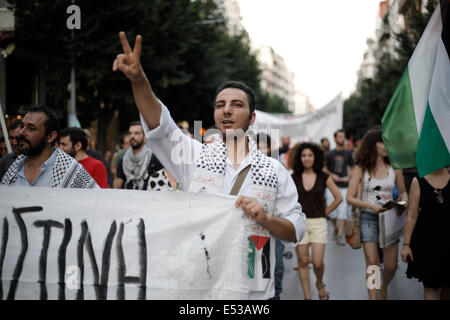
(316, 231)
(370, 228)
(342, 211)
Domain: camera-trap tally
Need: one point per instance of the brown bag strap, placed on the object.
(362, 184)
(239, 181)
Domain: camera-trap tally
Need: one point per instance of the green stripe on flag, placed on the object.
(432, 153)
(400, 134)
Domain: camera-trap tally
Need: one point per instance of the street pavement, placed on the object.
(345, 276)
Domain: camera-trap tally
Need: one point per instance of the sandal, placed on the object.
(323, 296)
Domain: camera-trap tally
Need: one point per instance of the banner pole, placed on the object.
(4, 129)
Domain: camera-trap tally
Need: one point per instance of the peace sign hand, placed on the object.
(129, 62)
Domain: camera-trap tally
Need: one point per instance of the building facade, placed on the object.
(7, 46)
(232, 14)
(277, 79)
(390, 20)
(302, 103)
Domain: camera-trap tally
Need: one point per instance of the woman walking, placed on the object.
(426, 246)
(378, 179)
(311, 182)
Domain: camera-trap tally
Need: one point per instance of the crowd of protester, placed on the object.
(329, 182)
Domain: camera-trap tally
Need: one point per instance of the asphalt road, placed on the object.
(345, 276)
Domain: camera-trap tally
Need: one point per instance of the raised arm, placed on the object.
(129, 62)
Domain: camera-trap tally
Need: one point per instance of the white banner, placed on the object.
(120, 244)
(310, 127)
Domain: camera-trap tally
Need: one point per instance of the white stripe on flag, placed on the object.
(421, 66)
(440, 93)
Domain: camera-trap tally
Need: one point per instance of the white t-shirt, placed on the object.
(179, 153)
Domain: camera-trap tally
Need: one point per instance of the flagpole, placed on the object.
(4, 129)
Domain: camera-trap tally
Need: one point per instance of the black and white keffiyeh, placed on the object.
(135, 166)
(263, 170)
(66, 172)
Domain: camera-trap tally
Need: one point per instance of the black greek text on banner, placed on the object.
(120, 244)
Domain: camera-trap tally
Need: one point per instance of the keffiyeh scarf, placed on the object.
(263, 170)
(135, 167)
(66, 172)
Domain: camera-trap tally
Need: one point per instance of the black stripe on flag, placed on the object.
(445, 14)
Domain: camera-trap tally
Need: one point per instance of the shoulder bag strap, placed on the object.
(362, 185)
(239, 181)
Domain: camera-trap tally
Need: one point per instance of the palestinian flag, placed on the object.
(416, 124)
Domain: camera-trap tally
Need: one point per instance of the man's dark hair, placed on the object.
(18, 123)
(238, 85)
(323, 139)
(318, 158)
(264, 137)
(76, 135)
(2, 139)
(340, 130)
(135, 123)
(52, 121)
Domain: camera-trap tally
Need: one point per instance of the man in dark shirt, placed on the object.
(339, 165)
(325, 145)
(3, 147)
(285, 144)
(7, 160)
(138, 163)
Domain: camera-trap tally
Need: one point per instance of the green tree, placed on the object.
(271, 103)
(186, 54)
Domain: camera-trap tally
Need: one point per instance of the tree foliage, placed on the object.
(365, 108)
(271, 103)
(186, 54)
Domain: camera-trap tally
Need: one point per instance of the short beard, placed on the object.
(72, 152)
(34, 150)
(137, 146)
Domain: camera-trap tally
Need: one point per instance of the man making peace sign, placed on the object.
(267, 196)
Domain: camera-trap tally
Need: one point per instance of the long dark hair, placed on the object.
(366, 157)
(318, 158)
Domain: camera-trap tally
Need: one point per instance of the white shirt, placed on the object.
(179, 153)
(378, 191)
